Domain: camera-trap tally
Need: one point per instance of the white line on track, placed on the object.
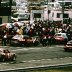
(26, 49)
(35, 48)
(61, 58)
(45, 59)
(5, 63)
(42, 59)
(48, 59)
(51, 47)
(33, 60)
(69, 57)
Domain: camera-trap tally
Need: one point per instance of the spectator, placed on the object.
(4, 42)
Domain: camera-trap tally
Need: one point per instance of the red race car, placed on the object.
(6, 55)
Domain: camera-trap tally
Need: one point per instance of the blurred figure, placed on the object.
(4, 40)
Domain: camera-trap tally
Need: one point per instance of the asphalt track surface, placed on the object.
(28, 57)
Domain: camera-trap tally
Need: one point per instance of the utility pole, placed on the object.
(10, 3)
(62, 10)
(48, 11)
(0, 3)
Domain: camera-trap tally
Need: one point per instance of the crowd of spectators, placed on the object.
(38, 28)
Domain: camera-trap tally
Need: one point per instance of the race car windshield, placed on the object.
(6, 51)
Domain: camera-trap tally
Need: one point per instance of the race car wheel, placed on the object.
(3, 59)
(14, 58)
